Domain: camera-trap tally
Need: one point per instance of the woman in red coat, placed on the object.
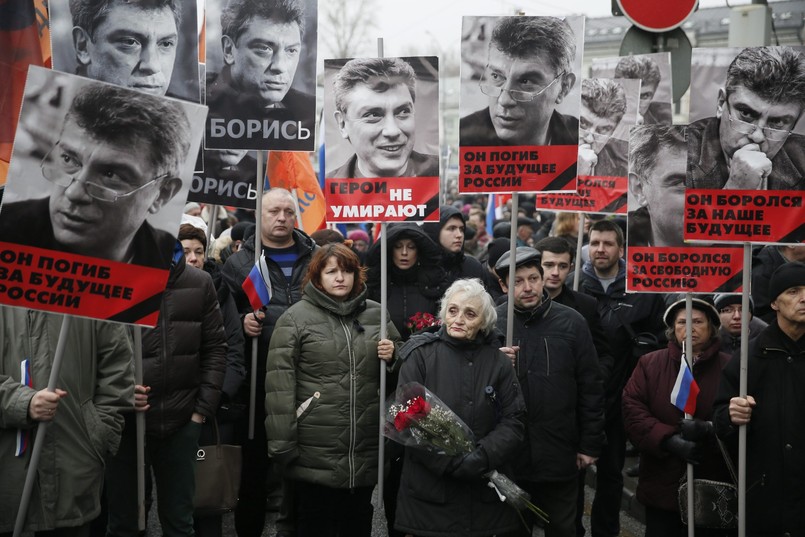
(666, 441)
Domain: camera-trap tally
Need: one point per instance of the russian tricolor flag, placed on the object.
(256, 286)
(685, 391)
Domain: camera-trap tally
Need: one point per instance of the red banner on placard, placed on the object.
(688, 269)
(382, 199)
(517, 168)
(759, 216)
(606, 195)
(59, 282)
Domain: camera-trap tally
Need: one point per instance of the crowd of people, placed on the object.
(586, 370)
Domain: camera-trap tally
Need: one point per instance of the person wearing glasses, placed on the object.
(603, 104)
(528, 73)
(374, 110)
(657, 165)
(115, 163)
(749, 144)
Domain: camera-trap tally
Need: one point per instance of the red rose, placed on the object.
(418, 409)
(402, 421)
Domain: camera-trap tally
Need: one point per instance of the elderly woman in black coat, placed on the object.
(462, 365)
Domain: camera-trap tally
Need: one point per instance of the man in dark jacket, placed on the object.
(774, 412)
(769, 259)
(287, 251)
(557, 367)
(184, 358)
(449, 235)
(630, 320)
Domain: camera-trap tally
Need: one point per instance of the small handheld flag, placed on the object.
(257, 286)
(685, 391)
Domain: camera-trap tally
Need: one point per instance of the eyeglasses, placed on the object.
(62, 171)
(743, 127)
(518, 95)
(583, 133)
(731, 310)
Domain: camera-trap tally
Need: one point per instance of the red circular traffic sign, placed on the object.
(655, 16)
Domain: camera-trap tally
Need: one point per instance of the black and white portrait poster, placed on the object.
(97, 184)
(658, 259)
(654, 73)
(382, 139)
(609, 108)
(746, 136)
(151, 47)
(519, 107)
(261, 74)
(229, 178)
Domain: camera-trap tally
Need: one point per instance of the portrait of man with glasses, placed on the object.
(657, 165)
(115, 163)
(750, 144)
(603, 105)
(528, 72)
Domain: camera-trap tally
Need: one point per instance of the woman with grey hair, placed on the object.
(461, 364)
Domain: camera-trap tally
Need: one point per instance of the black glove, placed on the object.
(471, 466)
(695, 429)
(684, 449)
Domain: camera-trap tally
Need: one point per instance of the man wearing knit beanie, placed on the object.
(774, 409)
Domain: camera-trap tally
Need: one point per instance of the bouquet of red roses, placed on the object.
(417, 418)
(421, 320)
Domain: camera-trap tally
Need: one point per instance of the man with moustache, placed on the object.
(557, 366)
(749, 143)
(261, 44)
(528, 73)
(374, 110)
(628, 320)
(127, 43)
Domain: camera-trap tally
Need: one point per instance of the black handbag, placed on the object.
(715, 503)
(217, 477)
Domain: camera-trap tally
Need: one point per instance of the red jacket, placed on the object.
(649, 418)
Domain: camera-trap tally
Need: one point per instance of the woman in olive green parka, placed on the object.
(322, 387)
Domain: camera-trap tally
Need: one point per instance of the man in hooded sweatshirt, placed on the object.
(449, 235)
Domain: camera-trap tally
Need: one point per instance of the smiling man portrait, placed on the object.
(375, 112)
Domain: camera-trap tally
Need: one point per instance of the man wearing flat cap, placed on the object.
(557, 366)
(773, 411)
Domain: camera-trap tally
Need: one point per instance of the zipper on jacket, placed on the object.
(547, 358)
(352, 397)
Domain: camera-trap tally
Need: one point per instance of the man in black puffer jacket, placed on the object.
(184, 358)
(557, 366)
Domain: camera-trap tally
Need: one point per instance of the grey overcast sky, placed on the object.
(434, 26)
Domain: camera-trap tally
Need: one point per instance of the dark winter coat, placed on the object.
(617, 309)
(414, 290)
(434, 504)
(649, 418)
(235, 359)
(457, 265)
(557, 368)
(184, 356)
(237, 269)
(775, 436)
(322, 390)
